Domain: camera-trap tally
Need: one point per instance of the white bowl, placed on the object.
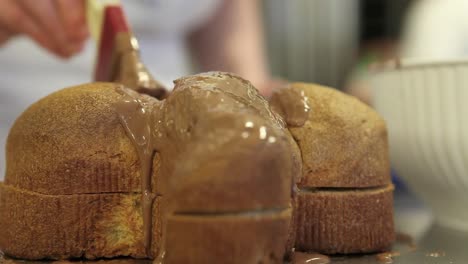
(425, 105)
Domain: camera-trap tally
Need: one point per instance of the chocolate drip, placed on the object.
(292, 105)
(242, 120)
(134, 115)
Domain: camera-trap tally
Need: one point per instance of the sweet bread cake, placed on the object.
(344, 201)
(212, 172)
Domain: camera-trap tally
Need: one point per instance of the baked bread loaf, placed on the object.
(220, 165)
(344, 201)
(210, 174)
(72, 179)
(72, 142)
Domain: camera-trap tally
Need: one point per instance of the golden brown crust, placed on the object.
(343, 143)
(257, 237)
(72, 142)
(36, 226)
(331, 222)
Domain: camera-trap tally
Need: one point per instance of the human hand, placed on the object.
(59, 26)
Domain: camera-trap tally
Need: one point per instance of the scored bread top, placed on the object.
(72, 142)
(343, 142)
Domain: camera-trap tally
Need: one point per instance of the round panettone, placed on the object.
(344, 199)
(212, 173)
(343, 141)
(72, 142)
(72, 179)
(218, 161)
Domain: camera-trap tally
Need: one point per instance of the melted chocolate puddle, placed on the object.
(310, 258)
(387, 257)
(409, 246)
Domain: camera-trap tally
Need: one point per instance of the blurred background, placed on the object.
(323, 41)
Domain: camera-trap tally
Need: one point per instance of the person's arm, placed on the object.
(232, 41)
(59, 26)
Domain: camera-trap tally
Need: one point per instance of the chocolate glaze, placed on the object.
(209, 112)
(134, 115)
(130, 71)
(292, 105)
(310, 258)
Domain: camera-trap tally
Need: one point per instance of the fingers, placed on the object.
(45, 16)
(73, 18)
(14, 19)
(4, 36)
(50, 23)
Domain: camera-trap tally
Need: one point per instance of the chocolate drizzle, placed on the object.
(292, 105)
(134, 115)
(212, 113)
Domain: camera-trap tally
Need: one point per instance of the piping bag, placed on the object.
(118, 57)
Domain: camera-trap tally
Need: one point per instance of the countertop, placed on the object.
(432, 244)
